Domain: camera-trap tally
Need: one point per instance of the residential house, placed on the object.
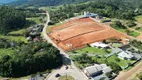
(125, 55)
(99, 45)
(97, 69)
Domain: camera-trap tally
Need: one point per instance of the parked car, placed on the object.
(57, 75)
(66, 67)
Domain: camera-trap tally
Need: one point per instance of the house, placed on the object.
(99, 45)
(97, 69)
(88, 14)
(29, 38)
(124, 55)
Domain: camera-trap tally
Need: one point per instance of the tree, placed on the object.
(131, 23)
(29, 59)
(115, 67)
(139, 75)
(11, 19)
(108, 74)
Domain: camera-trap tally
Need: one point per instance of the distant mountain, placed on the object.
(6, 1)
(44, 2)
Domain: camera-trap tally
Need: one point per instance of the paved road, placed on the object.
(73, 70)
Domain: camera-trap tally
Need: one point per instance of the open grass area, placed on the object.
(120, 29)
(14, 38)
(120, 62)
(35, 19)
(139, 18)
(115, 45)
(93, 50)
(21, 31)
(66, 78)
(133, 33)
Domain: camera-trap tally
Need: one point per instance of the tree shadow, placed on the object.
(66, 60)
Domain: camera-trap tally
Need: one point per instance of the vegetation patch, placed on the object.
(133, 33)
(37, 20)
(66, 78)
(14, 38)
(139, 18)
(120, 62)
(27, 58)
(139, 29)
(118, 26)
(93, 50)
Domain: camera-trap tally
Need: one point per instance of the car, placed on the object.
(57, 75)
(66, 67)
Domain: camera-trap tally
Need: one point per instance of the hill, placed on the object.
(6, 1)
(38, 3)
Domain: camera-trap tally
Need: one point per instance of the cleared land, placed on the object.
(79, 32)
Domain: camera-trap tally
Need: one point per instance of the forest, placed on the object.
(11, 19)
(120, 9)
(27, 58)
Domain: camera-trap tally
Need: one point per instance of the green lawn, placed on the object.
(139, 18)
(133, 33)
(120, 29)
(21, 31)
(115, 45)
(93, 50)
(122, 63)
(68, 78)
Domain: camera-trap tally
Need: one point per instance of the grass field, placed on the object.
(139, 18)
(35, 19)
(93, 50)
(21, 31)
(122, 63)
(133, 33)
(120, 29)
(68, 78)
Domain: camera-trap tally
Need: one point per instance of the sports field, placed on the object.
(79, 32)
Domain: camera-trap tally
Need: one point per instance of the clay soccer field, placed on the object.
(79, 32)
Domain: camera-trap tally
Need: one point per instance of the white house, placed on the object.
(88, 14)
(99, 45)
(124, 55)
(97, 69)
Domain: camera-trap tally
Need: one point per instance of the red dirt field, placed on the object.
(79, 32)
(70, 23)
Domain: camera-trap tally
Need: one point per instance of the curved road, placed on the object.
(72, 70)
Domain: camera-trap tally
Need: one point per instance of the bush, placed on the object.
(108, 74)
(115, 67)
(117, 59)
(131, 24)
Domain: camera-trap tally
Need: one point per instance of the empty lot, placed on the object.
(79, 32)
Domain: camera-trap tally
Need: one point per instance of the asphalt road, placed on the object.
(73, 70)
